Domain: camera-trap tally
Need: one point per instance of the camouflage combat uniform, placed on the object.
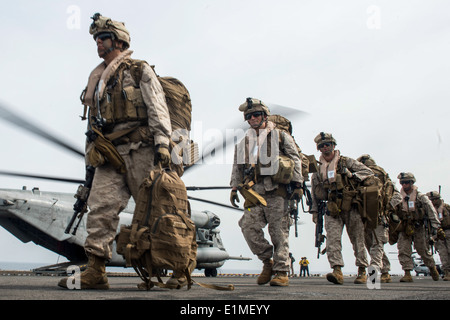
(328, 185)
(414, 209)
(275, 214)
(442, 245)
(378, 237)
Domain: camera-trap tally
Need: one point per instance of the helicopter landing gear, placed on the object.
(210, 272)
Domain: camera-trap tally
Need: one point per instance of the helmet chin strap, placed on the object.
(260, 123)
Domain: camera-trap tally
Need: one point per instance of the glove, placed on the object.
(348, 173)
(162, 155)
(441, 234)
(314, 216)
(234, 197)
(296, 194)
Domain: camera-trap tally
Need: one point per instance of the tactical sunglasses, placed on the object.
(405, 182)
(326, 144)
(103, 36)
(254, 114)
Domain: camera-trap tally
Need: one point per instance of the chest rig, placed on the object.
(119, 104)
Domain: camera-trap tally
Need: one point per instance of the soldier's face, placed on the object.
(254, 119)
(326, 148)
(406, 185)
(104, 44)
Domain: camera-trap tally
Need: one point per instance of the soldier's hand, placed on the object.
(162, 155)
(234, 197)
(296, 194)
(441, 234)
(314, 217)
(348, 173)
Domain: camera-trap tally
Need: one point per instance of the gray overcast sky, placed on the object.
(373, 73)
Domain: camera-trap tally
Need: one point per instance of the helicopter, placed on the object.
(42, 216)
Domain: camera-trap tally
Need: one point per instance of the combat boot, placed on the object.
(177, 280)
(385, 277)
(447, 275)
(281, 279)
(434, 273)
(94, 277)
(362, 276)
(336, 276)
(407, 277)
(266, 273)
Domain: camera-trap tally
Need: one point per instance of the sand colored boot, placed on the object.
(407, 277)
(266, 273)
(362, 276)
(447, 275)
(385, 278)
(281, 279)
(94, 277)
(177, 280)
(336, 276)
(434, 273)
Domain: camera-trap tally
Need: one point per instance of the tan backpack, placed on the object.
(161, 235)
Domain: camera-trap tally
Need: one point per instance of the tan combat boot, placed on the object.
(266, 273)
(434, 273)
(385, 278)
(177, 280)
(447, 275)
(407, 277)
(336, 276)
(362, 276)
(94, 277)
(281, 279)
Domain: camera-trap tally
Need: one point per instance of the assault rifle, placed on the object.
(320, 237)
(80, 206)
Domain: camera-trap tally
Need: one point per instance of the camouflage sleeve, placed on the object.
(237, 171)
(429, 209)
(290, 149)
(155, 100)
(314, 182)
(358, 169)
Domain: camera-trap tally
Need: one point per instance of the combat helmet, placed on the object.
(253, 105)
(324, 138)
(406, 176)
(103, 24)
(433, 195)
(367, 160)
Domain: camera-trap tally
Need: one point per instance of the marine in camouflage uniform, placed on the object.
(251, 167)
(443, 243)
(418, 219)
(378, 237)
(139, 110)
(336, 174)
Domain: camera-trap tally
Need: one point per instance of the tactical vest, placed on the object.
(445, 219)
(118, 104)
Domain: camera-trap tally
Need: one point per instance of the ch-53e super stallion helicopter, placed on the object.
(43, 217)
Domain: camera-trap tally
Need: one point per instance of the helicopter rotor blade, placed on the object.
(28, 126)
(25, 175)
(214, 203)
(205, 188)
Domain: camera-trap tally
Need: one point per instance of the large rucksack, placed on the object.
(161, 235)
(179, 103)
(309, 163)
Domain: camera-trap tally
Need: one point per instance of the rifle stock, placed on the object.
(320, 237)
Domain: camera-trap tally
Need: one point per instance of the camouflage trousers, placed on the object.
(110, 194)
(375, 241)
(404, 246)
(276, 216)
(443, 246)
(355, 229)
